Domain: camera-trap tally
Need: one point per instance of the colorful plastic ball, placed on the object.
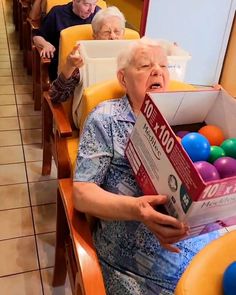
(207, 171)
(216, 153)
(229, 279)
(182, 133)
(196, 146)
(229, 146)
(226, 166)
(213, 133)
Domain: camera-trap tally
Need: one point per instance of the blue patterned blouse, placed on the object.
(132, 260)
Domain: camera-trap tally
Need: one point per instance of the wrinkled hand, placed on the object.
(74, 59)
(167, 229)
(48, 50)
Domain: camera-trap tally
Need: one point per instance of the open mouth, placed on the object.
(155, 86)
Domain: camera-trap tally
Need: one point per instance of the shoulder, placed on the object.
(111, 107)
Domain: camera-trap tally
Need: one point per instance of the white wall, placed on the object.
(201, 27)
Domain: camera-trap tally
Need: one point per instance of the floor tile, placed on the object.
(31, 136)
(14, 196)
(22, 89)
(27, 110)
(7, 99)
(5, 64)
(8, 110)
(6, 80)
(33, 152)
(6, 89)
(10, 138)
(34, 170)
(44, 218)
(27, 283)
(12, 174)
(43, 192)
(46, 249)
(30, 122)
(5, 72)
(11, 154)
(4, 57)
(17, 64)
(18, 255)
(24, 98)
(47, 275)
(16, 223)
(4, 51)
(19, 72)
(10, 123)
(23, 80)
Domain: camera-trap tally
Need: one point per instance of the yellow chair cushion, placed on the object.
(204, 274)
(100, 92)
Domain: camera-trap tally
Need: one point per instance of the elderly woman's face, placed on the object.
(147, 72)
(110, 29)
(84, 8)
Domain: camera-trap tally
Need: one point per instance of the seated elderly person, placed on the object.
(107, 24)
(138, 246)
(77, 12)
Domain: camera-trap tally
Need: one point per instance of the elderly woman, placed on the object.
(107, 24)
(139, 247)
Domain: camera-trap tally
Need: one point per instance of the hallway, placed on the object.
(27, 200)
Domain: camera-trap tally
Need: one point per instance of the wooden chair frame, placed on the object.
(75, 252)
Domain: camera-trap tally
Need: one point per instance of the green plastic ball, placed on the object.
(229, 146)
(216, 153)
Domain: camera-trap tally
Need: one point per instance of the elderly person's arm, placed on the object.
(90, 198)
(63, 87)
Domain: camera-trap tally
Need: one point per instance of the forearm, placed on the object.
(90, 198)
(40, 41)
(62, 88)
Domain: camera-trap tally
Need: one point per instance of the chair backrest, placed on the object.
(204, 274)
(111, 89)
(51, 3)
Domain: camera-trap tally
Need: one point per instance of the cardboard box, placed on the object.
(162, 166)
(100, 60)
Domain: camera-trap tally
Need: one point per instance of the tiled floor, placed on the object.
(27, 200)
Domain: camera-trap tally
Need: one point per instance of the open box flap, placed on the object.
(224, 111)
(183, 107)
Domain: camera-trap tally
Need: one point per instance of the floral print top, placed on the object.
(126, 248)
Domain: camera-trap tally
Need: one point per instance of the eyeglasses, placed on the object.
(108, 33)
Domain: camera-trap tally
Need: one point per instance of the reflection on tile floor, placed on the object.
(27, 199)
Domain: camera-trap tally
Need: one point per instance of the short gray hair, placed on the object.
(102, 14)
(126, 56)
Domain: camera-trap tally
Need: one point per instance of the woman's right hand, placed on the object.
(47, 50)
(167, 229)
(74, 59)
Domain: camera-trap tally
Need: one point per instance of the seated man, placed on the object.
(138, 247)
(77, 12)
(108, 24)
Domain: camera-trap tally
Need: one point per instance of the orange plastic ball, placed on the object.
(179, 139)
(213, 133)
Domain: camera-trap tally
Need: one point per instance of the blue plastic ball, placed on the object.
(197, 146)
(229, 279)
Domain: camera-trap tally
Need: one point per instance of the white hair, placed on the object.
(104, 13)
(126, 56)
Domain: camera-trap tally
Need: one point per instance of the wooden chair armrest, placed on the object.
(90, 276)
(34, 24)
(61, 121)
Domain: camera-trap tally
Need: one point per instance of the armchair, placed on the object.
(204, 275)
(52, 138)
(40, 66)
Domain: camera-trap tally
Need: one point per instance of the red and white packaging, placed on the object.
(162, 166)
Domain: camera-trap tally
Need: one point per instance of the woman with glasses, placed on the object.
(107, 24)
